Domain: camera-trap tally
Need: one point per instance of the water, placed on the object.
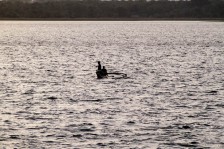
(50, 97)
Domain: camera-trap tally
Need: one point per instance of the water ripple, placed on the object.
(172, 97)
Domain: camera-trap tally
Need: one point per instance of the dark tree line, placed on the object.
(113, 9)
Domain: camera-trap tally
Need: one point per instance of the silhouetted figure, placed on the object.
(99, 65)
(101, 73)
(104, 71)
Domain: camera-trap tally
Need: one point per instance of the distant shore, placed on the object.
(112, 19)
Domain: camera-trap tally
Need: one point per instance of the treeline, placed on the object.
(112, 9)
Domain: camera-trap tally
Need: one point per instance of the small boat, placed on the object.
(100, 74)
(114, 75)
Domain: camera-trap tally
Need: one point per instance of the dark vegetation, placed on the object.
(112, 9)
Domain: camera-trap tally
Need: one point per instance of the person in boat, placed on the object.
(104, 71)
(99, 65)
(99, 72)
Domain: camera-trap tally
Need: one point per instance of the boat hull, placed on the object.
(100, 74)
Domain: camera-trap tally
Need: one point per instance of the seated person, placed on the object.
(104, 71)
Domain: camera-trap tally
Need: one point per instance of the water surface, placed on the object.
(50, 97)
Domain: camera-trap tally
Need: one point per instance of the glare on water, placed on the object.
(172, 98)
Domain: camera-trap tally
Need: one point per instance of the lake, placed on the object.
(172, 98)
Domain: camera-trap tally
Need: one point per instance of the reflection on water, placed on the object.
(50, 97)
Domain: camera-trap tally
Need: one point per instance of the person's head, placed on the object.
(103, 67)
(98, 62)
